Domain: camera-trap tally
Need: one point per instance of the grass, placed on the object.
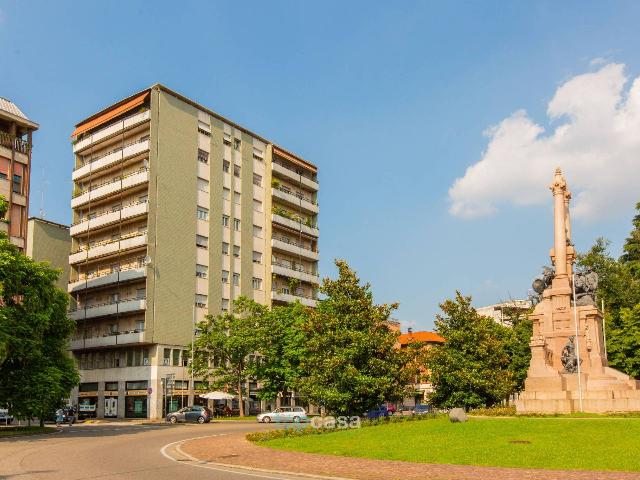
(552, 443)
(20, 431)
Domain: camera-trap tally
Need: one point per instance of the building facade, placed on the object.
(503, 313)
(421, 387)
(16, 132)
(50, 242)
(177, 211)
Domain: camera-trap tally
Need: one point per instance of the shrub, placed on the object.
(502, 411)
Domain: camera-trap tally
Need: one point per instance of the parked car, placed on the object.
(5, 418)
(404, 410)
(194, 413)
(284, 414)
(421, 409)
(378, 412)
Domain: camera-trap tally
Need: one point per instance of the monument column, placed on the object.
(559, 187)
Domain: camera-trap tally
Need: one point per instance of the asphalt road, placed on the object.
(118, 451)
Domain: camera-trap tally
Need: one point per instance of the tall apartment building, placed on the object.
(15, 164)
(177, 211)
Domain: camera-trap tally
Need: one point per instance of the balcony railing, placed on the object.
(109, 308)
(287, 171)
(289, 246)
(107, 247)
(280, 296)
(294, 224)
(96, 192)
(15, 143)
(294, 243)
(298, 195)
(110, 158)
(109, 130)
(110, 216)
(108, 339)
(121, 274)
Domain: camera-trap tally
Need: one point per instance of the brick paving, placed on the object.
(236, 450)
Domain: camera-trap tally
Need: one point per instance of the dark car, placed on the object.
(194, 413)
(420, 409)
(378, 412)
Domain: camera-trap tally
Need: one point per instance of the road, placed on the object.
(118, 451)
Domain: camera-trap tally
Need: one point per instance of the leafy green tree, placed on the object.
(631, 255)
(624, 341)
(225, 348)
(281, 348)
(350, 364)
(36, 373)
(473, 367)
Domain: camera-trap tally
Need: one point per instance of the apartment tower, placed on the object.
(177, 211)
(15, 165)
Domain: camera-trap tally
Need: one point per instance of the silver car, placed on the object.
(284, 414)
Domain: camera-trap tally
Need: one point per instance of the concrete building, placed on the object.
(15, 165)
(177, 211)
(503, 312)
(420, 386)
(50, 242)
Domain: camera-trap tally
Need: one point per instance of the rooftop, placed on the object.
(420, 337)
(11, 110)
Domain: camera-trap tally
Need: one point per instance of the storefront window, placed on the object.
(135, 406)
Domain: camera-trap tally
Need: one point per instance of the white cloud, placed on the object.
(597, 144)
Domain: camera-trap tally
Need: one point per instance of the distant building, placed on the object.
(15, 166)
(503, 312)
(421, 388)
(50, 242)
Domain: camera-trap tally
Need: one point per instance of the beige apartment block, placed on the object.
(177, 211)
(50, 242)
(16, 132)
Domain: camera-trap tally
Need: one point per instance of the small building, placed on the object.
(421, 388)
(504, 312)
(50, 242)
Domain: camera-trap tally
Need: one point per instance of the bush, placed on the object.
(503, 411)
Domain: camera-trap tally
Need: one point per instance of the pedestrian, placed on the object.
(59, 417)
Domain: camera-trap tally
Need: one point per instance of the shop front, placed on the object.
(136, 399)
(111, 399)
(87, 400)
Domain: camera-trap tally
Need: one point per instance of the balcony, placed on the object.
(111, 130)
(128, 211)
(14, 143)
(295, 200)
(287, 270)
(108, 247)
(111, 158)
(108, 340)
(285, 172)
(129, 305)
(285, 245)
(109, 188)
(290, 298)
(294, 225)
(133, 272)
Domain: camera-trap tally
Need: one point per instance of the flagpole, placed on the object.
(575, 319)
(604, 332)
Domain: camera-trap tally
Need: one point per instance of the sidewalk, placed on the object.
(235, 450)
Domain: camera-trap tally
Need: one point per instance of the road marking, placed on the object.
(236, 469)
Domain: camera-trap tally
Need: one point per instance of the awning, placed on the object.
(217, 396)
(292, 158)
(113, 112)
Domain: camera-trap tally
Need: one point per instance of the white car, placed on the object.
(284, 414)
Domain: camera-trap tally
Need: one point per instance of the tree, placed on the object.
(225, 348)
(350, 364)
(473, 367)
(281, 349)
(631, 255)
(624, 341)
(36, 373)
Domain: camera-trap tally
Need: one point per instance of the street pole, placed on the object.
(193, 334)
(575, 318)
(604, 332)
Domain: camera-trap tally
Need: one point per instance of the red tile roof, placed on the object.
(420, 337)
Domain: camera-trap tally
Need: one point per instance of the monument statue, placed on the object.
(568, 369)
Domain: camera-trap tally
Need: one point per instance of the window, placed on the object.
(203, 185)
(225, 248)
(236, 171)
(236, 224)
(203, 213)
(257, 205)
(226, 138)
(141, 293)
(140, 325)
(204, 129)
(225, 221)
(111, 386)
(116, 208)
(175, 361)
(257, 180)
(257, 257)
(225, 166)
(202, 241)
(201, 300)
(225, 305)
(236, 143)
(236, 251)
(203, 156)
(201, 271)
(225, 276)
(257, 153)
(226, 193)
(236, 279)
(236, 197)
(257, 283)
(257, 231)
(166, 360)
(17, 184)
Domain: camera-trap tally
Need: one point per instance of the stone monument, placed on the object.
(568, 370)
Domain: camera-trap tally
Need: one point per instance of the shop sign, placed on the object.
(137, 393)
(110, 393)
(86, 407)
(87, 394)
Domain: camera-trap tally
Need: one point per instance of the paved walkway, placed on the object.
(235, 450)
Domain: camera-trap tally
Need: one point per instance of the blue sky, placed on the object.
(389, 99)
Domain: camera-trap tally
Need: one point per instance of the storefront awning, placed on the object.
(113, 112)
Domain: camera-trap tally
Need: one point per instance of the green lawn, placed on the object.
(18, 431)
(553, 443)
